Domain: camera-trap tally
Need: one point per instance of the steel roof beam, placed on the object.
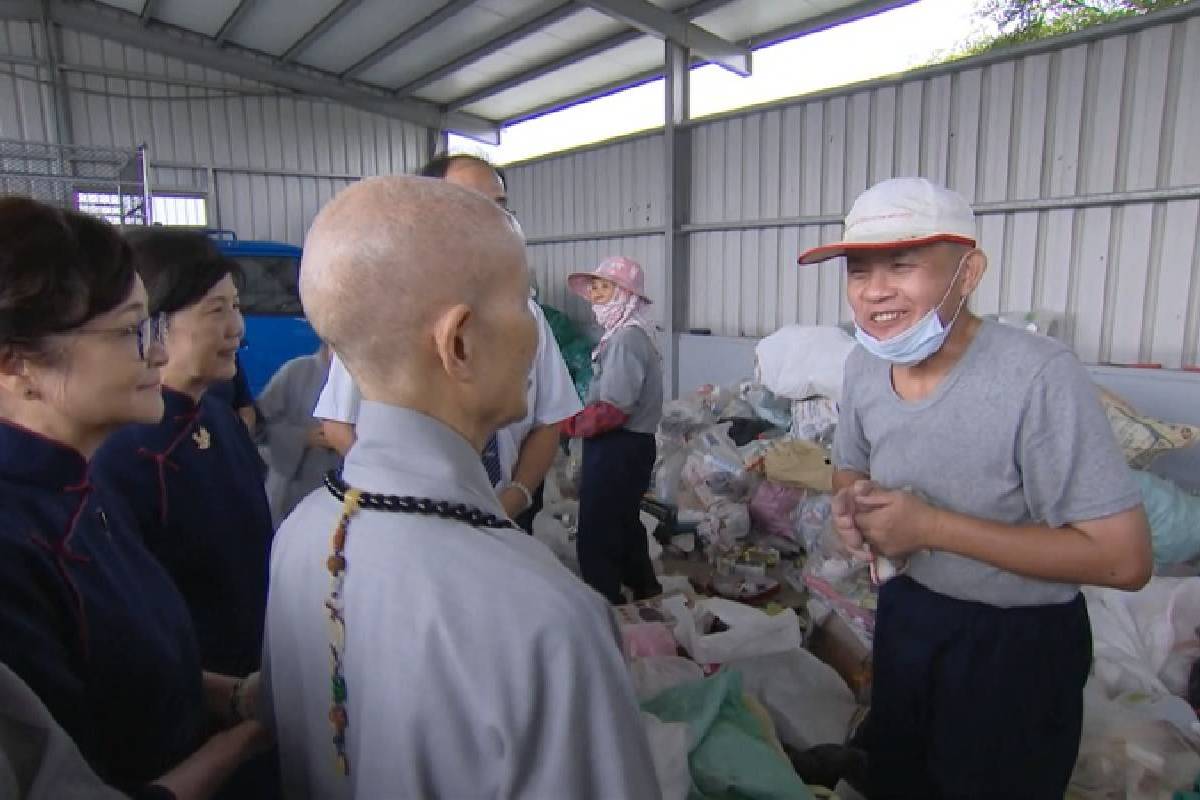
(575, 56)
(662, 24)
(405, 37)
(322, 27)
(513, 34)
(127, 28)
(832, 19)
(233, 20)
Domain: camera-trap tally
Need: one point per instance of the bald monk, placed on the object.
(419, 646)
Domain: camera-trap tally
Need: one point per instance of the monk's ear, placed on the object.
(454, 336)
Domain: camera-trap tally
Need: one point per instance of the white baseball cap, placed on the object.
(901, 212)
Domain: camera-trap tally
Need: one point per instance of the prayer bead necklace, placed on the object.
(352, 500)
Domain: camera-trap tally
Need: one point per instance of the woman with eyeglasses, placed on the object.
(194, 478)
(88, 618)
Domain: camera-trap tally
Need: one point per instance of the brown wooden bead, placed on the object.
(337, 715)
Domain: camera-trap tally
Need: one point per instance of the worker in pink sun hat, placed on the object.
(977, 456)
(617, 424)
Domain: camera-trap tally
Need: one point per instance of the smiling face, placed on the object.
(203, 339)
(78, 386)
(889, 291)
(97, 377)
(601, 291)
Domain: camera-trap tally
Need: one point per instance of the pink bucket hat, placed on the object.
(624, 272)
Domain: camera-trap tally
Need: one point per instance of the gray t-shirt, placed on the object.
(629, 375)
(1014, 434)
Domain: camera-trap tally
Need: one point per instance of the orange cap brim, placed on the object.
(828, 251)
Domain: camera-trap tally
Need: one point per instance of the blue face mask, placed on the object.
(920, 341)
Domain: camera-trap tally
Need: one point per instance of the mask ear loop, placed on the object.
(949, 289)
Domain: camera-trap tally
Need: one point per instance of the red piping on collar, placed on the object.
(163, 460)
(64, 556)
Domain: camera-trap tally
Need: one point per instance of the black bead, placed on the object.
(415, 505)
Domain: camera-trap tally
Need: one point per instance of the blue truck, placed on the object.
(276, 330)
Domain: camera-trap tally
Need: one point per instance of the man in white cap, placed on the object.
(976, 457)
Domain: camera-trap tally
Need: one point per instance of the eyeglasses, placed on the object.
(151, 330)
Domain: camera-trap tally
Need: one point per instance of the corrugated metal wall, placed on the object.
(1082, 162)
(266, 160)
(596, 192)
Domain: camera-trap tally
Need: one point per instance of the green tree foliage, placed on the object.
(1020, 21)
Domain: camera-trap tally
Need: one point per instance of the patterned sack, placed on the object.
(1143, 438)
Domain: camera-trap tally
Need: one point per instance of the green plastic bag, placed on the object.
(576, 348)
(729, 756)
(1174, 517)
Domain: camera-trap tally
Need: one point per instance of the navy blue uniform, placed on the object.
(194, 483)
(88, 618)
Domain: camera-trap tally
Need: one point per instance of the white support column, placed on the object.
(52, 41)
(677, 173)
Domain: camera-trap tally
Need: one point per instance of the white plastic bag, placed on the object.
(1146, 641)
(653, 675)
(799, 361)
(808, 701)
(751, 631)
(650, 523)
(1134, 746)
(566, 472)
(668, 469)
(669, 750)
(555, 527)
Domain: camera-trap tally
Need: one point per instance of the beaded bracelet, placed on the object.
(520, 487)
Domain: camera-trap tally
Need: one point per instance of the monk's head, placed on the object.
(422, 287)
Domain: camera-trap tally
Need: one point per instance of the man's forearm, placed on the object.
(1067, 554)
(535, 457)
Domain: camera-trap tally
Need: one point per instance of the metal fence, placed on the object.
(110, 183)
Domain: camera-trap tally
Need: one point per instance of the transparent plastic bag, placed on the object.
(668, 470)
(714, 469)
(568, 470)
(724, 525)
(1134, 746)
(772, 510)
(767, 405)
(814, 420)
(683, 417)
(812, 519)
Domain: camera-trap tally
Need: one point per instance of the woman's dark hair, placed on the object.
(58, 270)
(178, 267)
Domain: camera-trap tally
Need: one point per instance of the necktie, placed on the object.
(491, 460)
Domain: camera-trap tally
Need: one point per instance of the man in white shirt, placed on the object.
(417, 645)
(521, 453)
